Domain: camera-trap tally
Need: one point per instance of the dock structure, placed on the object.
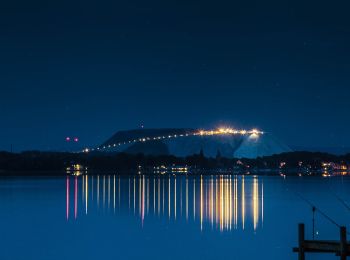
(340, 248)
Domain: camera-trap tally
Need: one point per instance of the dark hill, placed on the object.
(125, 136)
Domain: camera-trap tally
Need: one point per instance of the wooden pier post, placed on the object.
(301, 242)
(339, 248)
(343, 243)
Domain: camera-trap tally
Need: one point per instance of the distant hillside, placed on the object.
(124, 136)
(182, 143)
(331, 150)
(153, 147)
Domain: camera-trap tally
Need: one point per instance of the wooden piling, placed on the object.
(339, 248)
(343, 243)
(301, 241)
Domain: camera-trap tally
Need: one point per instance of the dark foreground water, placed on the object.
(168, 217)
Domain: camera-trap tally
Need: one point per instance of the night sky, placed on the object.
(88, 69)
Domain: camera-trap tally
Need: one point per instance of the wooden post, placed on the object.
(343, 243)
(301, 241)
(340, 248)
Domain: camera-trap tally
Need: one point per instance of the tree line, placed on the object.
(59, 161)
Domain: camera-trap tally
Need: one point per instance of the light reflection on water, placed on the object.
(218, 202)
(166, 217)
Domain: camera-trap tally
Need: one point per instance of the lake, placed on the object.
(166, 217)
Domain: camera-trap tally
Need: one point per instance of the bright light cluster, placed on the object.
(220, 131)
(229, 131)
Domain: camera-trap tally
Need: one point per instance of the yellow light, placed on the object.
(254, 136)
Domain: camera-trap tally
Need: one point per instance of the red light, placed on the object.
(76, 139)
(68, 139)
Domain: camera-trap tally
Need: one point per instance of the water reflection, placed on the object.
(216, 202)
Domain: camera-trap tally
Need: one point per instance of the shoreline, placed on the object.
(56, 173)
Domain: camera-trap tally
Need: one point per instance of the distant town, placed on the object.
(60, 163)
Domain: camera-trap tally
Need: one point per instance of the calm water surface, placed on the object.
(167, 217)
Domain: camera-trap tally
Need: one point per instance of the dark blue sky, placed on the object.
(88, 69)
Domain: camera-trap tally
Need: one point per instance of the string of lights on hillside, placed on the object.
(219, 131)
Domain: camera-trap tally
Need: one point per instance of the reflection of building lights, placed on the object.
(255, 203)
(243, 203)
(67, 198)
(224, 200)
(86, 194)
(75, 197)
